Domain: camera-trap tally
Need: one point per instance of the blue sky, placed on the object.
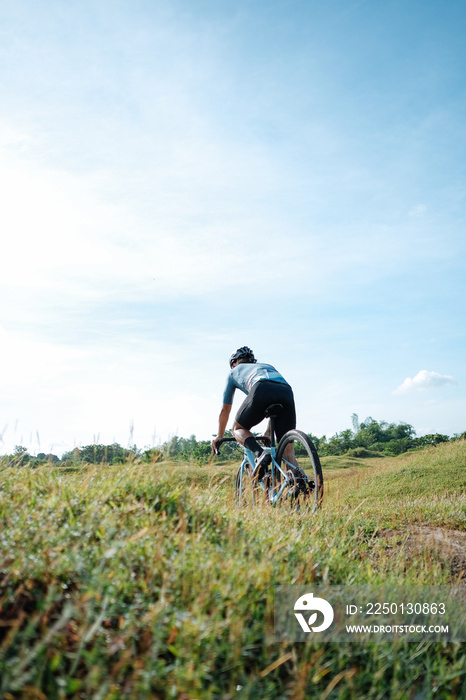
(182, 178)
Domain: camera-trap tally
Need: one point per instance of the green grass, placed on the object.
(148, 582)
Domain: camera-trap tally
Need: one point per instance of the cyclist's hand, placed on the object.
(214, 445)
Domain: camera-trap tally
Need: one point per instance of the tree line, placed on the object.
(369, 438)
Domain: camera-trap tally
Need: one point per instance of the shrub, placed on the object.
(363, 452)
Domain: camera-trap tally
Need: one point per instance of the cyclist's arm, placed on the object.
(222, 424)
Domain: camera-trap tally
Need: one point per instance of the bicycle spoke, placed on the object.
(303, 469)
(247, 492)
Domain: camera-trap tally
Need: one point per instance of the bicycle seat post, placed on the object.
(272, 431)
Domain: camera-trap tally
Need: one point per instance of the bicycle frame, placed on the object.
(249, 459)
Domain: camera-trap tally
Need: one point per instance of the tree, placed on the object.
(20, 456)
(431, 439)
(47, 457)
(101, 454)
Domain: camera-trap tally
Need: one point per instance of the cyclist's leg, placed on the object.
(250, 413)
(240, 433)
(286, 421)
(247, 439)
(289, 455)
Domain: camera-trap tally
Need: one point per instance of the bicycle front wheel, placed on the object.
(296, 453)
(246, 493)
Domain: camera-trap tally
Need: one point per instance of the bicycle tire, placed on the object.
(310, 490)
(244, 488)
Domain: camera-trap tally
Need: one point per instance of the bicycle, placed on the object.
(283, 479)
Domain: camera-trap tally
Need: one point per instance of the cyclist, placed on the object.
(263, 386)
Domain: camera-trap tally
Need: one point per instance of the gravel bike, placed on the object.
(282, 480)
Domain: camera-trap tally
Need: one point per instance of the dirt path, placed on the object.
(448, 545)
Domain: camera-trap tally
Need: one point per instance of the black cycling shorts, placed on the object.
(262, 395)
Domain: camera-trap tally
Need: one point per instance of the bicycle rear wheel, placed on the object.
(308, 489)
(246, 492)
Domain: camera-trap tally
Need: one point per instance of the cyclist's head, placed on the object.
(243, 354)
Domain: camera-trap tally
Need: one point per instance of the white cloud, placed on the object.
(424, 380)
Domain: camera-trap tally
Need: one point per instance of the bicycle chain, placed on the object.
(300, 474)
(303, 483)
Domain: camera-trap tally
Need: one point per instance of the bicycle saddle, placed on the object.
(273, 410)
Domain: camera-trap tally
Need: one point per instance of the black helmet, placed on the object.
(243, 353)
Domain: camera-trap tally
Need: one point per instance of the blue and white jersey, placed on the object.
(245, 375)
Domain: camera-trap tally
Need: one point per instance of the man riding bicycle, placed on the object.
(263, 386)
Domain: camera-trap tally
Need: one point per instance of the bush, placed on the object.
(362, 452)
(152, 456)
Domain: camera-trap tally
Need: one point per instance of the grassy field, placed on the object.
(146, 581)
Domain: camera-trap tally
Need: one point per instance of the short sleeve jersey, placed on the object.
(245, 375)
